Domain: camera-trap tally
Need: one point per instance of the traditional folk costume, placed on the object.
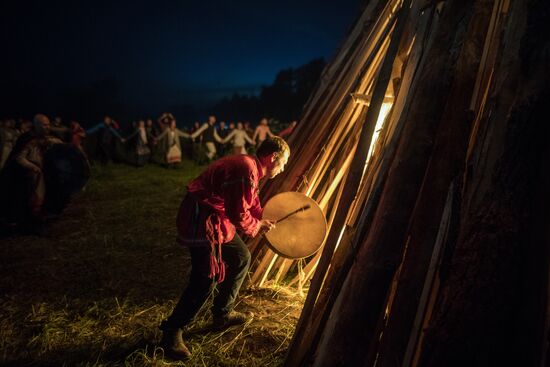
(209, 136)
(171, 145)
(142, 150)
(240, 137)
(222, 200)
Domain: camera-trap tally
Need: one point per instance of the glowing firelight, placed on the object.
(384, 110)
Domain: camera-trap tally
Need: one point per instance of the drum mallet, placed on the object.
(299, 210)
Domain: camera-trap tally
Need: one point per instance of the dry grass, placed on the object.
(93, 291)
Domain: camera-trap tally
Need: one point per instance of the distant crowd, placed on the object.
(147, 140)
(43, 162)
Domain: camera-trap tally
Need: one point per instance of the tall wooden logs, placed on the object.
(301, 343)
(377, 171)
(330, 114)
(355, 317)
(446, 162)
(328, 133)
(493, 307)
(448, 229)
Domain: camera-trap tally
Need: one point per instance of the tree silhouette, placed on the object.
(283, 100)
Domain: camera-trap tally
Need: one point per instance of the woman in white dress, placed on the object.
(240, 137)
(171, 145)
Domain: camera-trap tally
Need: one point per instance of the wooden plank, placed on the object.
(485, 75)
(429, 282)
(260, 270)
(283, 270)
(267, 270)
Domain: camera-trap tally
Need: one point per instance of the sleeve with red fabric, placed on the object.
(256, 208)
(240, 197)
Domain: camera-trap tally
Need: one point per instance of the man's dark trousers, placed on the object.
(237, 261)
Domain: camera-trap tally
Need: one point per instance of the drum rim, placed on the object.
(278, 252)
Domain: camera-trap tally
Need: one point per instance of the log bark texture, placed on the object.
(446, 163)
(492, 309)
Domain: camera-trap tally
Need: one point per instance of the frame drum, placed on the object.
(299, 234)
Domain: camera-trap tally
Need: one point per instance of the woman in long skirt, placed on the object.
(170, 144)
(142, 150)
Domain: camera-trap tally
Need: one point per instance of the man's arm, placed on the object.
(239, 197)
(115, 133)
(134, 133)
(217, 137)
(247, 138)
(256, 132)
(229, 137)
(95, 128)
(256, 209)
(162, 135)
(199, 131)
(182, 134)
(285, 132)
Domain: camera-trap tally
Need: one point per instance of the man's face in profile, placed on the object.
(278, 165)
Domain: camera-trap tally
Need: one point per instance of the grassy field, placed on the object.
(93, 290)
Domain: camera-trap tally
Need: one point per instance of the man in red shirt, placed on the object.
(222, 200)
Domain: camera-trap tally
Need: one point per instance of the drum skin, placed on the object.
(300, 235)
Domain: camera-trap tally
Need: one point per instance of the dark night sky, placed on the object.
(167, 52)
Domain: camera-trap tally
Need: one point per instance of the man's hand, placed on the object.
(266, 225)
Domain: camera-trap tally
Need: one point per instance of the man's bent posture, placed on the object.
(222, 200)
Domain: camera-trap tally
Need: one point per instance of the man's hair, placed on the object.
(273, 145)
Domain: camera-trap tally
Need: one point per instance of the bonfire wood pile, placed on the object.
(425, 145)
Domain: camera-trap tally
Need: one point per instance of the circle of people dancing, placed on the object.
(44, 163)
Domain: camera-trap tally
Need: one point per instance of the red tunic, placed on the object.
(222, 199)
